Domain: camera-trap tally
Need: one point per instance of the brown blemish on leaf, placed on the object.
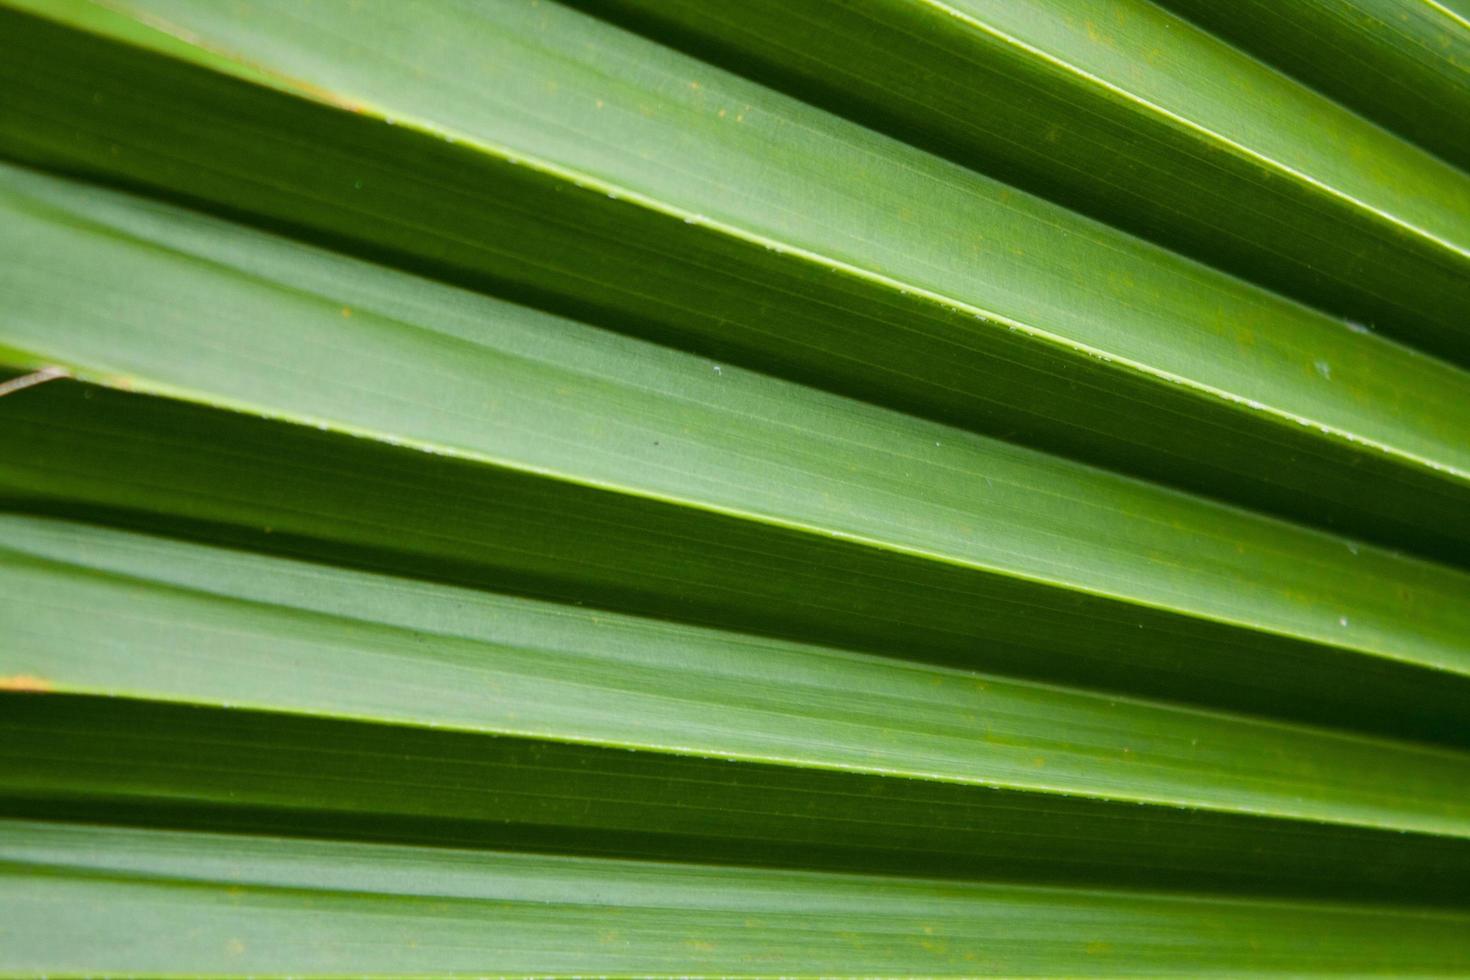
(26, 682)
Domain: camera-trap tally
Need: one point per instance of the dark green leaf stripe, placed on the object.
(892, 275)
(149, 763)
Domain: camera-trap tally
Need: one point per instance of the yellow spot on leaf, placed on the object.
(26, 682)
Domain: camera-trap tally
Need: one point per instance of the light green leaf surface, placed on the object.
(260, 905)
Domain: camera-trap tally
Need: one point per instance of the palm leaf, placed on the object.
(904, 488)
(639, 188)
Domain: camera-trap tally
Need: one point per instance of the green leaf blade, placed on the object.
(240, 903)
(1239, 379)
